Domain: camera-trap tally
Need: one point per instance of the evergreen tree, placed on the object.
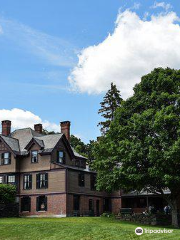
(111, 101)
(142, 147)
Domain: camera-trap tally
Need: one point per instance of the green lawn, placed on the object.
(85, 228)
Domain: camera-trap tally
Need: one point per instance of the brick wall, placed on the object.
(56, 205)
(116, 205)
(84, 205)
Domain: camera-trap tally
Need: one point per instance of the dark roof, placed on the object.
(24, 136)
(19, 140)
(12, 143)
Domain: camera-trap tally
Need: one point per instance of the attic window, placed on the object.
(6, 157)
(60, 157)
(34, 156)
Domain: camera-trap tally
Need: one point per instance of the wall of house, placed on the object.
(56, 183)
(84, 205)
(61, 147)
(10, 168)
(43, 162)
(56, 206)
(73, 184)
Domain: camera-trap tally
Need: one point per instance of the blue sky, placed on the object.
(39, 46)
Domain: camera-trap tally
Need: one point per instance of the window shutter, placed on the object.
(46, 180)
(37, 180)
(2, 158)
(37, 204)
(45, 202)
(30, 181)
(29, 204)
(9, 158)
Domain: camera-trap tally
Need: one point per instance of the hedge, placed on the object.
(7, 193)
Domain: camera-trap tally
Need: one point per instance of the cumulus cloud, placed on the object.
(134, 48)
(22, 119)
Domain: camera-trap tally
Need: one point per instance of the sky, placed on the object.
(58, 58)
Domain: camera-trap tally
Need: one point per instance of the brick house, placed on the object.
(51, 178)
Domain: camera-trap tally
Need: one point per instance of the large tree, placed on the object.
(110, 102)
(142, 148)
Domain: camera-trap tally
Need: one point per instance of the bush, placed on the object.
(7, 193)
(108, 214)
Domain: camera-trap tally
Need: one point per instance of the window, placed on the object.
(91, 205)
(26, 204)
(1, 179)
(93, 181)
(34, 156)
(42, 180)
(81, 180)
(60, 157)
(76, 202)
(41, 204)
(107, 205)
(11, 179)
(6, 157)
(27, 181)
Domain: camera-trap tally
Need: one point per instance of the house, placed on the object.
(51, 178)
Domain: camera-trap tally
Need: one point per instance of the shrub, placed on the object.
(7, 193)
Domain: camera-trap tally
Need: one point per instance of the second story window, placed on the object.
(27, 181)
(6, 158)
(60, 158)
(93, 182)
(12, 179)
(42, 180)
(81, 179)
(34, 156)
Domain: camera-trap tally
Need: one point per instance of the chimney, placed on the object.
(6, 127)
(65, 128)
(38, 128)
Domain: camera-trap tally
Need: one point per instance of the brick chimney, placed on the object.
(6, 127)
(65, 128)
(38, 128)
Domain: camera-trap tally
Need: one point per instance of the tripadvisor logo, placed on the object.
(139, 231)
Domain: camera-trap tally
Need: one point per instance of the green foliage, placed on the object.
(7, 193)
(110, 102)
(80, 147)
(46, 132)
(142, 148)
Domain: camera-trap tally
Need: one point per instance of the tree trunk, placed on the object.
(174, 211)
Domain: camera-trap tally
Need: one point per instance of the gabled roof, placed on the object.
(12, 143)
(35, 140)
(20, 140)
(24, 136)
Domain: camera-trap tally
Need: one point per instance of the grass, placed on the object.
(84, 228)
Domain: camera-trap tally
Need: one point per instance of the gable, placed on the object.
(3, 147)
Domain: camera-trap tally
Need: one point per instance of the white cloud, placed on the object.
(163, 5)
(134, 48)
(22, 119)
(54, 50)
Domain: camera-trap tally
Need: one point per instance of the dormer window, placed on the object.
(6, 157)
(34, 156)
(60, 157)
